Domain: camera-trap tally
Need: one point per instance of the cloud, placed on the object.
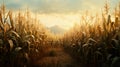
(48, 6)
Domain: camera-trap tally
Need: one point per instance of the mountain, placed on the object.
(56, 29)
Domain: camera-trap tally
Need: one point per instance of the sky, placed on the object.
(59, 12)
(48, 6)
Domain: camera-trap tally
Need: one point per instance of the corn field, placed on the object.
(24, 42)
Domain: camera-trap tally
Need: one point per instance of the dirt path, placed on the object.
(55, 57)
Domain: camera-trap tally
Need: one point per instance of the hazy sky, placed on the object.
(58, 5)
(59, 12)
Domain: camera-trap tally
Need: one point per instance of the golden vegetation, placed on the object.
(97, 44)
(24, 42)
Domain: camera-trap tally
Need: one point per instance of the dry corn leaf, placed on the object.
(18, 49)
(115, 42)
(85, 45)
(29, 37)
(15, 33)
(91, 40)
(11, 44)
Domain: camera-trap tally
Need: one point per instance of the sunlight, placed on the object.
(59, 33)
(65, 21)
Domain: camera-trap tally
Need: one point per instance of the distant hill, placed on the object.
(56, 29)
